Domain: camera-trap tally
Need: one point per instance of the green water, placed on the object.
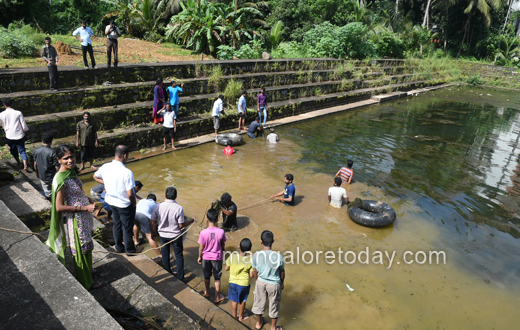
(444, 160)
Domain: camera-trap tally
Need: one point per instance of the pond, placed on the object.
(445, 160)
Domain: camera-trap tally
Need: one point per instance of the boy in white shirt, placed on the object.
(273, 138)
(169, 124)
(215, 113)
(337, 194)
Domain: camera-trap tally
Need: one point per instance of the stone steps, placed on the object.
(147, 136)
(64, 123)
(27, 79)
(45, 102)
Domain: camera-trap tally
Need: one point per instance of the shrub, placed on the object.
(253, 49)
(19, 40)
(291, 49)
(232, 92)
(475, 79)
(388, 44)
(349, 41)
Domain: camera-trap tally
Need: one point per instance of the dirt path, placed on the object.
(130, 51)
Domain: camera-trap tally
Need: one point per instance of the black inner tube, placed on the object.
(372, 214)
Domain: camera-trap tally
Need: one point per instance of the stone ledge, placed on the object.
(37, 291)
(27, 203)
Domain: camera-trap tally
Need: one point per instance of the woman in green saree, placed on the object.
(69, 201)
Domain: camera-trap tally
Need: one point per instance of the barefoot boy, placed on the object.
(169, 124)
(269, 271)
(241, 270)
(212, 244)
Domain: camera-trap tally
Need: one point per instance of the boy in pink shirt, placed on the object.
(211, 250)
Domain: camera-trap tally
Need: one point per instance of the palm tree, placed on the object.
(276, 34)
(482, 6)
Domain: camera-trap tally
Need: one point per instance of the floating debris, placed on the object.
(349, 288)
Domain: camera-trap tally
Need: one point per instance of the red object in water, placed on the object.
(228, 150)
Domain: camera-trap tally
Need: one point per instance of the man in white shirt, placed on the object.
(337, 194)
(242, 104)
(86, 45)
(15, 127)
(112, 33)
(144, 223)
(217, 110)
(273, 138)
(120, 195)
(169, 124)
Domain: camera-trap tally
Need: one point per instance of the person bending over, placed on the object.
(346, 173)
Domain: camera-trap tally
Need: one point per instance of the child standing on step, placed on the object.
(241, 271)
(212, 242)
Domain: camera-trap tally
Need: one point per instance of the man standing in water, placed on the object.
(288, 192)
(229, 213)
(337, 194)
(346, 173)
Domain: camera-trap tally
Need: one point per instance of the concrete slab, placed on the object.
(389, 97)
(189, 301)
(26, 203)
(36, 291)
(124, 290)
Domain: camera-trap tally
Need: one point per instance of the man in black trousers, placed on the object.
(50, 55)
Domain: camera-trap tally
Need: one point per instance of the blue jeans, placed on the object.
(179, 257)
(264, 109)
(17, 146)
(175, 108)
(251, 135)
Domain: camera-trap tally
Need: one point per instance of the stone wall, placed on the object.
(17, 80)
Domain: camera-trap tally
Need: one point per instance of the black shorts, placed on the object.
(212, 266)
(170, 131)
(241, 115)
(87, 153)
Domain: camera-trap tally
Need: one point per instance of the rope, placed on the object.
(143, 252)
(106, 252)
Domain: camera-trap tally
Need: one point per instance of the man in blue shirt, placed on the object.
(173, 91)
(289, 191)
(242, 111)
(143, 223)
(86, 44)
(254, 127)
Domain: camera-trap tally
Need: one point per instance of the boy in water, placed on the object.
(269, 271)
(229, 213)
(273, 138)
(241, 271)
(289, 191)
(336, 194)
(212, 242)
(346, 173)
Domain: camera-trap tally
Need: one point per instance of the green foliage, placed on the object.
(388, 44)
(204, 25)
(251, 50)
(349, 41)
(276, 34)
(214, 77)
(475, 79)
(290, 49)
(232, 92)
(19, 40)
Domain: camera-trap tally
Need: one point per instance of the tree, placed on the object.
(197, 25)
(275, 36)
(482, 6)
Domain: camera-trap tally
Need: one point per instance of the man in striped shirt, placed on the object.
(346, 173)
